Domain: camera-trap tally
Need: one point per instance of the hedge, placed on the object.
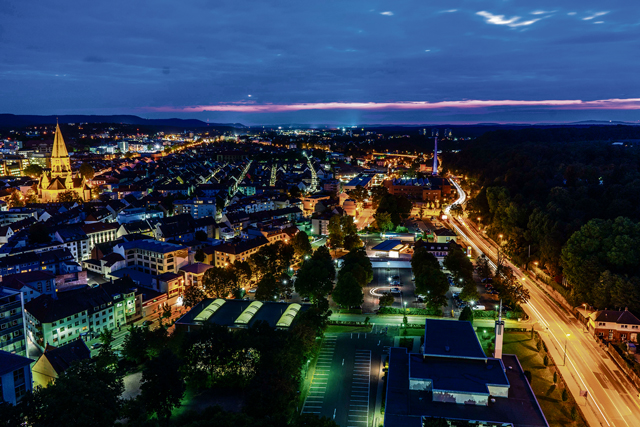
(411, 311)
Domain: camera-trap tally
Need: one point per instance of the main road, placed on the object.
(611, 398)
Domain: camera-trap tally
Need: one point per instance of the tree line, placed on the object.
(552, 192)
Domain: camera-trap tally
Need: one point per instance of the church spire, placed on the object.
(59, 147)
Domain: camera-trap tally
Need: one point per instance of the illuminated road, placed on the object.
(612, 399)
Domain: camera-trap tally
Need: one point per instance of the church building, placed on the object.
(60, 178)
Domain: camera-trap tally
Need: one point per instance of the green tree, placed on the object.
(312, 420)
(316, 275)
(162, 386)
(193, 294)
(96, 398)
(134, 348)
(359, 194)
(435, 422)
(469, 292)
(16, 199)
(377, 193)
(387, 300)
(467, 315)
(301, 244)
(483, 267)
(34, 171)
(459, 265)
(218, 282)
(336, 237)
(383, 221)
(350, 233)
(241, 273)
(348, 292)
(86, 170)
(274, 259)
(359, 265)
(430, 280)
(268, 288)
(107, 358)
(69, 196)
(199, 256)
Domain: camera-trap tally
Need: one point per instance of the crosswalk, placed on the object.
(360, 389)
(318, 387)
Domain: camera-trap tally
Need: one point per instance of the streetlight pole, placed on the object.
(564, 360)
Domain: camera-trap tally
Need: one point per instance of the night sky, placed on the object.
(337, 62)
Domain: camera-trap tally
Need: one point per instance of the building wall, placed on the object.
(12, 324)
(16, 384)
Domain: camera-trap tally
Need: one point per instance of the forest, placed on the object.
(569, 197)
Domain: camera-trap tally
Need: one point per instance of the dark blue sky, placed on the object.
(343, 62)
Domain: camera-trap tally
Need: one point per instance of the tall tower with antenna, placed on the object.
(435, 158)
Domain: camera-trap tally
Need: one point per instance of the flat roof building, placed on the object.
(240, 314)
(452, 378)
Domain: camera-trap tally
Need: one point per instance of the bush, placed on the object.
(565, 395)
(527, 375)
(574, 413)
(411, 311)
(545, 360)
(539, 345)
(555, 377)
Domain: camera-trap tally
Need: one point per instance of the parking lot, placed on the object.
(383, 281)
(345, 379)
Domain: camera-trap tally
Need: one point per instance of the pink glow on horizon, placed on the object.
(570, 104)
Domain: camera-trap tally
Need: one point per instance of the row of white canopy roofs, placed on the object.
(243, 320)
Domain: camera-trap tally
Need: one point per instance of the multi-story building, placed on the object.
(153, 257)
(17, 214)
(54, 261)
(427, 189)
(15, 377)
(12, 322)
(74, 239)
(82, 313)
(31, 284)
(197, 208)
(231, 251)
(100, 232)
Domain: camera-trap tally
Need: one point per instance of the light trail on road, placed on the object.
(542, 308)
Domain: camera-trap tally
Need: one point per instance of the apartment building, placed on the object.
(12, 322)
(153, 257)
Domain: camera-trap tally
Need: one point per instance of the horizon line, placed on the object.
(253, 107)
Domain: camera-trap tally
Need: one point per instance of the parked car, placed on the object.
(478, 307)
(252, 291)
(395, 291)
(396, 283)
(147, 323)
(487, 280)
(96, 345)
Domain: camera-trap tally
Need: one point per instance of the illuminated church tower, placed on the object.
(434, 170)
(60, 178)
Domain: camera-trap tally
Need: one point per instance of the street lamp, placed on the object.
(564, 360)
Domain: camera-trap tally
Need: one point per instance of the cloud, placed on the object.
(542, 12)
(572, 104)
(572, 13)
(512, 22)
(448, 11)
(387, 13)
(595, 15)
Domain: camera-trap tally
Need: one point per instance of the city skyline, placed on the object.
(373, 62)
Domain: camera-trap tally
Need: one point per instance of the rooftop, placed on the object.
(405, 407)
(236, 313)
(451, 338)
(10, 362)
(152, 246)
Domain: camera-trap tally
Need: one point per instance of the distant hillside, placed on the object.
(29, 120)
